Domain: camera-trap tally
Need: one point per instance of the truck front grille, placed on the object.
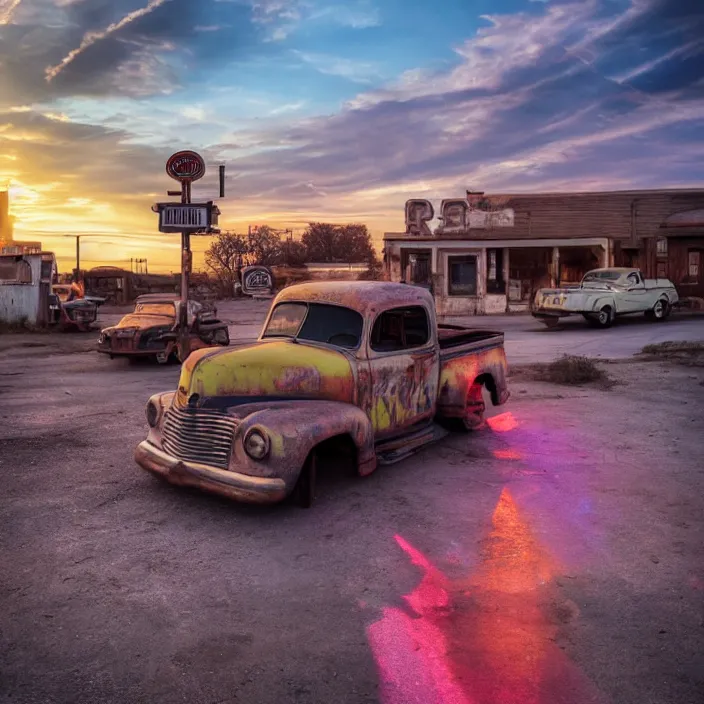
(199, 435)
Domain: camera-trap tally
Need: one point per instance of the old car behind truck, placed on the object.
(604, 294)
(151, 330)
(361, 364)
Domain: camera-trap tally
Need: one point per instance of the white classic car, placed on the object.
(605, 293)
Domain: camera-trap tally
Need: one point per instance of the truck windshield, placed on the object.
(156, 309)
(602, 276)
(317, 322)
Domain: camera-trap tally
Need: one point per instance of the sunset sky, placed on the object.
(335, 111)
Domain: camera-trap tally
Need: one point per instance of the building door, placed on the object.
(416, 267)
(405, 370)
(43, 309)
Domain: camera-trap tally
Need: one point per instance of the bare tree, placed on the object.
(338, 243)
(227, 253)
(264, 246)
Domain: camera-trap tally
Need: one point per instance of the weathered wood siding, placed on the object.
(615, 215)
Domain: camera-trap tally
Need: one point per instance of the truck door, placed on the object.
(634, 297)
(404, 369)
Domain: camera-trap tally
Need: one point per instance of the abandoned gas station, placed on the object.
(491, 252)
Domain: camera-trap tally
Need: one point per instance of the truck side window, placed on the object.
(399, 329)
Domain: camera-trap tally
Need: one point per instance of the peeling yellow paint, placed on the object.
(270, 369)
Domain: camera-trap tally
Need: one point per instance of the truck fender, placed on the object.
(602, 301)
(295, 428)
(462, 382)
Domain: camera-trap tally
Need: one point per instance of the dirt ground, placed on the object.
(555, 556)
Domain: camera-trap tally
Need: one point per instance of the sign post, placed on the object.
(186, 167)
(187, 218)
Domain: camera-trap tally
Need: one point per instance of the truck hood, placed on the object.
(143, 321)
(266, 371)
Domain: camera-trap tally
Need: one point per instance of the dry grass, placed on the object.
(688, 353)
(567, 371)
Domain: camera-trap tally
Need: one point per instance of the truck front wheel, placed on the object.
(304, 491)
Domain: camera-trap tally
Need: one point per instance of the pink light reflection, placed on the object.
(411, 651)
(503, 423)
(482, 639)
(508, 454)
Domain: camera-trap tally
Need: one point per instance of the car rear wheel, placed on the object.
(550, 322)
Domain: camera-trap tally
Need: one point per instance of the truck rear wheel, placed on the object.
(660, 311)
(473, 417)
(604, 318)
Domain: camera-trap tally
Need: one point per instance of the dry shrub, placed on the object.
(569, 370)
(689, 353)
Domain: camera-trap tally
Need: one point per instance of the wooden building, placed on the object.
(491, 252)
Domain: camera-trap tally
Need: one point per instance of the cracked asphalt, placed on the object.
(555, 556)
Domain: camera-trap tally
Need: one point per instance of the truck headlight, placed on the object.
(256, 444)
(152, 414)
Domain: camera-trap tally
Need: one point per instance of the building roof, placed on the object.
(362, 296)
(686, 218)
(639, 192)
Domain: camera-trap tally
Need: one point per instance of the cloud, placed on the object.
(520, 110)
(109, 47)
(284, 17)
(357, 16)
(356, 71)
(7, 10)
(91, 38)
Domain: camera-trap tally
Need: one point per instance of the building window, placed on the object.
(462, 278)
(661, 247)
(495, 271)
(400, 329)
(15, 271)
(662, 270)
(47, 270)
(693, 264)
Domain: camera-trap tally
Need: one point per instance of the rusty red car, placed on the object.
(151, 330)
(362, 367)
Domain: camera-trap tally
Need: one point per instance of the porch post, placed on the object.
(506, 270)
(555, 267)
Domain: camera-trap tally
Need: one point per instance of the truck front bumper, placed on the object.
(232, 485)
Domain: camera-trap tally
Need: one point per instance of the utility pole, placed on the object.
(78, 258)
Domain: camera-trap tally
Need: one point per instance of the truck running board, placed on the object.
(392, 451)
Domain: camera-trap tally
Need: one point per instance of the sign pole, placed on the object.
(185, 278)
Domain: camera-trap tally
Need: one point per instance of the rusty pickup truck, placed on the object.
(360, 366)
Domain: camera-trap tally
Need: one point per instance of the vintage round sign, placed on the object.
(185, 166)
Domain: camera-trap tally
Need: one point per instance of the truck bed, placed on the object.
(451, 337)
(467, 355)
